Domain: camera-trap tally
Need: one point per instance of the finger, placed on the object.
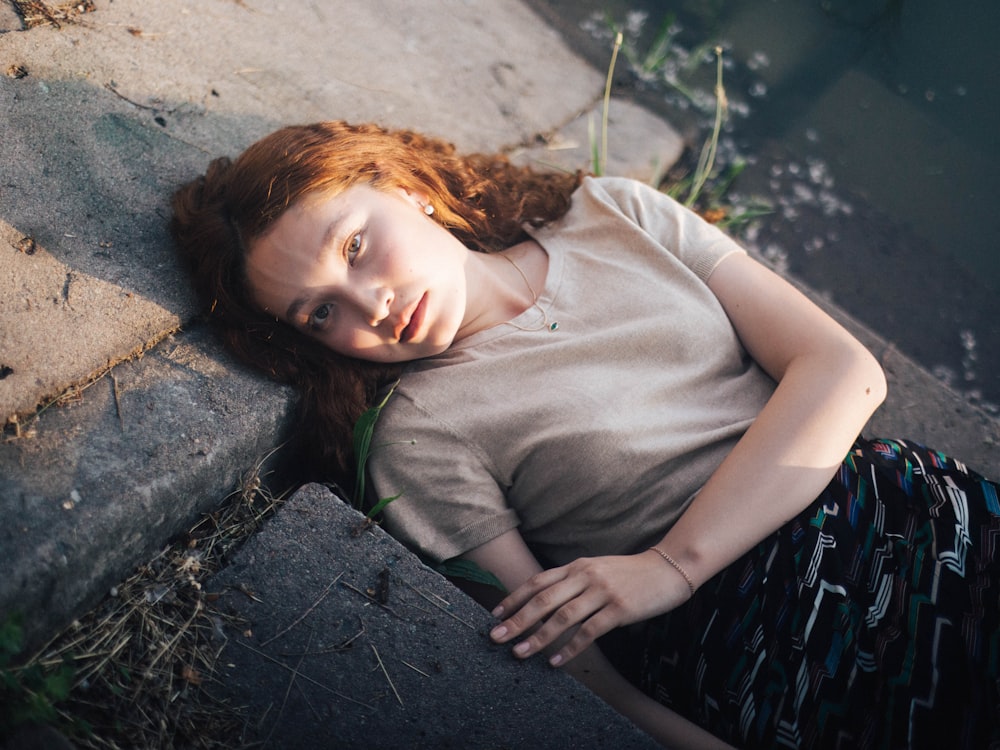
(563, 621)
(536, 609)
(601, 623)
(520, 596)
(534, 612)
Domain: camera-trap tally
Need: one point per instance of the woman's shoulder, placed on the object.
(623, 189)
(610, 187)
(630, 213)
(425, 394)
(625, 196)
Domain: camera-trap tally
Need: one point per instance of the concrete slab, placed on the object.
(111, 473)
(9, 19)
(788, 55)
(322, 662)
(872, 130)
(62, 326)
(920, 407)
(639, 144)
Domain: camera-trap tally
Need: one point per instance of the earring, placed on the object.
(429, 209)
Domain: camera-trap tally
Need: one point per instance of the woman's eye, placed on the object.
(353, 248)
(319, 316)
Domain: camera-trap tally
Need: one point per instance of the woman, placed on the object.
(638, 429)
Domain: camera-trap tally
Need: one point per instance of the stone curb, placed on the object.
(113, 475)
(351, 641)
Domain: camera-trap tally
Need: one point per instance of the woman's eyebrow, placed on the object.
(330, 236)
(293, 309)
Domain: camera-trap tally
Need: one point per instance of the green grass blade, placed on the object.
(380, 505)
(659, 48)
(458, 567)
(607, 102)
(364, 428)
(707, 160)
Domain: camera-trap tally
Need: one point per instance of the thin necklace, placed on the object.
(554, 325)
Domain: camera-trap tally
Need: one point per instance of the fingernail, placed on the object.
(498, 612)
(556, 660)
(498, 632)
(522, 648)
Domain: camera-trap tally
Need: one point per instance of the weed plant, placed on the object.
(705, 188)
(31, 694)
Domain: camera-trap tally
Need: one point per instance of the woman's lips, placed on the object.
(416, 318)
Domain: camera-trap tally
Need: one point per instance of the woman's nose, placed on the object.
(374, 303)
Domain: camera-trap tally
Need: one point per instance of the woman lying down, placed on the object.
(649, 438)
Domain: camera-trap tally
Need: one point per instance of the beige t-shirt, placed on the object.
(593, 438)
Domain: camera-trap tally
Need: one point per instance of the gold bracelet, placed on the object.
(676, 565)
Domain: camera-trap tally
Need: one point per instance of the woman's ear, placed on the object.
(418, 198)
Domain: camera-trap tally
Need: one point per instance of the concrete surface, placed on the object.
(105, 479)
(410, 665)
(107, 454)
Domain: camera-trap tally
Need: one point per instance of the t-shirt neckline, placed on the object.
(531, 318)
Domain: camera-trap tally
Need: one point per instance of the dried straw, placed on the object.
(144, 657)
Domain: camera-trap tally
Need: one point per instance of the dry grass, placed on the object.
(144, 656)
(36, 13)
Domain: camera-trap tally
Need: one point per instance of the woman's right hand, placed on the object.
(508, 558)
(584, 600)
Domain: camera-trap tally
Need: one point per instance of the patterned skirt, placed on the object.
(872, 620)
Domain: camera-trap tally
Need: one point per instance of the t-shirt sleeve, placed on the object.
(448, 500)
(697, 244)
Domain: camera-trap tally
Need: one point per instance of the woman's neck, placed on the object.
(503, 285)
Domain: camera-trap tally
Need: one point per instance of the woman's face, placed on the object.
(365, 272)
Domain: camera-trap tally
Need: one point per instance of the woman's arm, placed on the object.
(510, 560)
(828, 387)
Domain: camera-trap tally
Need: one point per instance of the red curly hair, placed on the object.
(483, 200)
